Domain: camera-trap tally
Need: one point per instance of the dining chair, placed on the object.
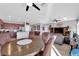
(31, 35)
(4, 38)
(0, 49)
(47, 49)
(45, 37)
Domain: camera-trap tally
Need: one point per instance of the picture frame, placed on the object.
(38, 27)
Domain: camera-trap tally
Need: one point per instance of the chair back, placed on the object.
(47, 50)
(4, 38)
(45, 37)
(0, 49)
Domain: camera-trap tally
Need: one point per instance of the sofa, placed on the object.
(63, 48)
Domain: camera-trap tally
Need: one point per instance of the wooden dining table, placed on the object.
(13, 49)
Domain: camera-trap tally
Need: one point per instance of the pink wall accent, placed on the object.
(11, 26)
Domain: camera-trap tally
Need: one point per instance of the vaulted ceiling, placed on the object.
(16, 12)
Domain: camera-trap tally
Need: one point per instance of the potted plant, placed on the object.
(74, 35)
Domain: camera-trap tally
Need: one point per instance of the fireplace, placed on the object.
(62, 30)
(58, 30)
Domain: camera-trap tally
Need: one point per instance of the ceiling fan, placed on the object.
(33, 5)
(55, 20)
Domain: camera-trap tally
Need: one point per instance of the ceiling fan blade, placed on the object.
(55, 20)
(35, 6)
(27, 7)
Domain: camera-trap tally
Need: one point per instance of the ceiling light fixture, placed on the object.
(65, 18)
(29, 4)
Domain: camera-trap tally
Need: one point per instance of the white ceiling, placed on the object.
(16, 13)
